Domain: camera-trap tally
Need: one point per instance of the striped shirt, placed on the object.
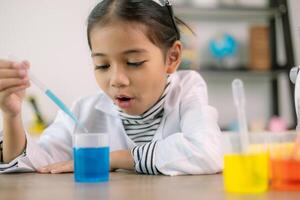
(13, 163)
(1, 152)
(141, 130)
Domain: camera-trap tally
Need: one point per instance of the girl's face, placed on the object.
(129, 68)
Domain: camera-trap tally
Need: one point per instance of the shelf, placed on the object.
(232, 13)
(269, 16)
(242, 72)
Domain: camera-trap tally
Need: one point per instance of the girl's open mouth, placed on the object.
(124, 102)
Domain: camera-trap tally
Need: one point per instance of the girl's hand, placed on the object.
(13, 82)
(57, 168)
(118, 160)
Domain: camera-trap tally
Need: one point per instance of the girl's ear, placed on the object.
(173, 59)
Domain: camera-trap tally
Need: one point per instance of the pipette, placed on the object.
(55, 99)
(240, 102)
(51, 95)
(295, 78)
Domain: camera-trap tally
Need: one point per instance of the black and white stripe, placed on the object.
(141, 129)
(13, 163)
(144, 157)
(1, 152)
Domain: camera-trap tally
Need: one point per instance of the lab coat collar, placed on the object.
(106, 105)
(172, 98)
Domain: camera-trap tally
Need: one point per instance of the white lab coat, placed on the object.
(189, 136)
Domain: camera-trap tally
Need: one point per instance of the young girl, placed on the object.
(158, 119)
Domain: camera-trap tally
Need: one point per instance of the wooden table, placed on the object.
(123, 186)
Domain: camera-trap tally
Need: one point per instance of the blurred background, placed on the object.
(257, 41)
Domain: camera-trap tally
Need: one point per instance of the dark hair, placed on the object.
(161, 25)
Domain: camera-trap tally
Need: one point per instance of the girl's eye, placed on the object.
(136, 64)
(102, 67)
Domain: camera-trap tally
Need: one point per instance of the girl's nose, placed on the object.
(119, 78)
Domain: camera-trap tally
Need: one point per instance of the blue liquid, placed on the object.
(91, 164)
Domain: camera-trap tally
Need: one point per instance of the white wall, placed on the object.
(52, 36)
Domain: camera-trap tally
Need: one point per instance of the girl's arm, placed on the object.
(121, 159)
(53, 146)
(195, 147)
(13, 82)
(14, 140)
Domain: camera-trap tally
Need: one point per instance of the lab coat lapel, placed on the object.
(107, 106)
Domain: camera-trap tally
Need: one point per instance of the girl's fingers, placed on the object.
(10, 64)
(64, 168)
(43, 170)
(56, 168)
(5, 64)
(13, 73)
(47, 169)
(15, 89)
(26, 64)
(18, 65)
(12, 82)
